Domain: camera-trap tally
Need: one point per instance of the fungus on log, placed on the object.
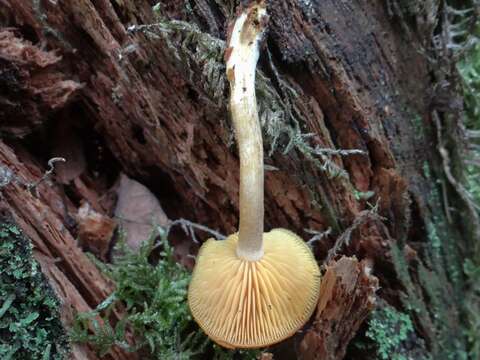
(253, 289)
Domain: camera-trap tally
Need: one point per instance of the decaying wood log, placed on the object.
(33, 86)
(151, 102)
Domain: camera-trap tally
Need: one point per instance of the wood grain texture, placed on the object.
(348, 295)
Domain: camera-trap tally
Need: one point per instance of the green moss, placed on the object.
(434, 239)
(154, 296)
(30, 326)
(472, 271)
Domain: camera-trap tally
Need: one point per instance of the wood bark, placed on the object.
(348, 295)
(152, 103)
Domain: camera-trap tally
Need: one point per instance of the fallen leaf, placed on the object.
(137, 211)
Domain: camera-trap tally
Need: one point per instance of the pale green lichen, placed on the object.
(390, 334)
(30, 326)
(389, 330)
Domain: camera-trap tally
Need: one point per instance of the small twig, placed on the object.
(340, 152)
(46, 175)
(7, 175)
(472, 206)
(317, 235)
(445, 202)
(361, 219)
(374, 208)
(189, 228)
(267, 167)
(473, 162)
(473, 134)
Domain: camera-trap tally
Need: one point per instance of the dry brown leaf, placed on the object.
(137, 211)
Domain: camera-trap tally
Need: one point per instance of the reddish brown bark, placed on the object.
(348, 295)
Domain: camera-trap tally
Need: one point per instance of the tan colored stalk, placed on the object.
(242, 56)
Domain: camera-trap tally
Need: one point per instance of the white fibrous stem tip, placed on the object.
(246, 35)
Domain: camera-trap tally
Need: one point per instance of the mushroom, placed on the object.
(253, 289)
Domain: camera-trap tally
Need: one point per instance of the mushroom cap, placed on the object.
(251, 304)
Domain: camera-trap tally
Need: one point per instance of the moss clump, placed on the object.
(154, 295)
(30, 326)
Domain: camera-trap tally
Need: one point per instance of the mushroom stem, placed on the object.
(242, 56)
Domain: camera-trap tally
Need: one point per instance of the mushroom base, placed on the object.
(251, 304)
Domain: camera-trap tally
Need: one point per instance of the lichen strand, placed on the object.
(196, 52)
(198, 56)
(30, 326)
